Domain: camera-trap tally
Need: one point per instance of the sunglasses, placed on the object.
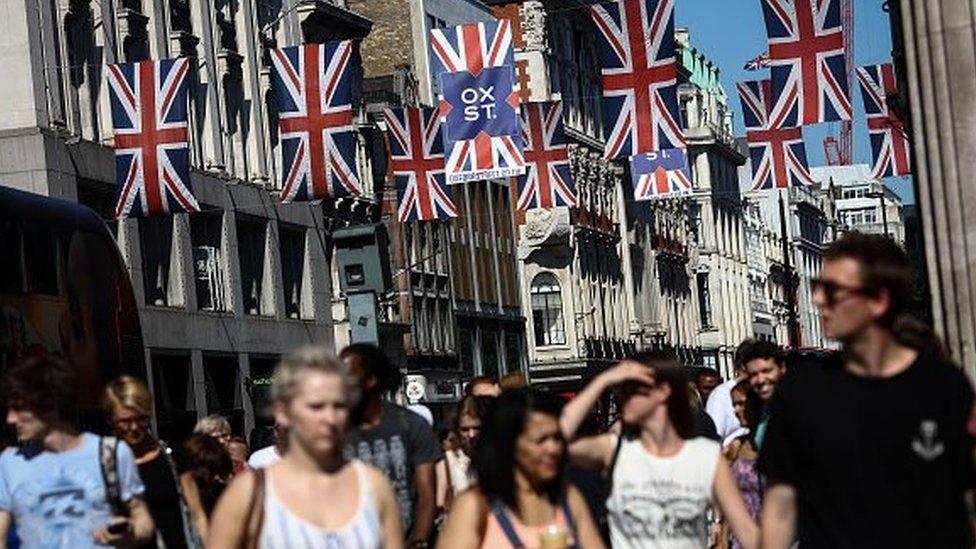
(832, 290)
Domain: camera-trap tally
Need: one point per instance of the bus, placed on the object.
(65, 291)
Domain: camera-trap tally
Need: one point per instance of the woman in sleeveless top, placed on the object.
(742, 454)
(313, 497)
(662, 478)
(520, 500)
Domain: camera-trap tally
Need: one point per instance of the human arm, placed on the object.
(779, 517)
(195, 505)
(576, 410)
(426, 507)
(466, 524)
(732, 507)
(231, 516)
(586, 530)
(6, 520)
(140, 527)
(592, 452)
(390, 522)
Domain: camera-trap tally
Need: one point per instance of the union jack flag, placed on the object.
(889, 144)
(481, 55)
(312, 87)
(149, 119)
(548, 182)
(758, 62)
(779, 158)
(417, 163)
(806, 56)
(637, 55)
(661, 174)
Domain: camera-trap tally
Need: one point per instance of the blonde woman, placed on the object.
(313, 496)
(129, 406)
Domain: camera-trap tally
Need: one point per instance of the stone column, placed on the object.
(940, 52)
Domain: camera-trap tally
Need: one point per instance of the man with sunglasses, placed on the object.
(871, 447)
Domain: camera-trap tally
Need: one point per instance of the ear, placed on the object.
(880, 304)
(281, 415)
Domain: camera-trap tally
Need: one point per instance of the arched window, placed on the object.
(547, 310)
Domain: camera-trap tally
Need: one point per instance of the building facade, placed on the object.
(221, 293)
(861, 202)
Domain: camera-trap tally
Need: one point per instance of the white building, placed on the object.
(863, 203)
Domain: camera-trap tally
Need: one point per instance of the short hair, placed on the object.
(239, 440)
(882, 265)
(128, 391)
(478, 380)
(210, 465)
(752, 349)
(708, 372)
(374, 362)
(46, 386)
(211, 424)
(512, 380)
(310, 358)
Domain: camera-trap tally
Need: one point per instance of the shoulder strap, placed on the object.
(255, 511)
(498, 509)
(613, 461)
(569, 520)
(108, 460)
(190, 534)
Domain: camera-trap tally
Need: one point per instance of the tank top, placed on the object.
(661, 503)
(282, 529)
(499, 532)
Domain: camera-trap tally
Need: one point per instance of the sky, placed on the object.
(731, 32)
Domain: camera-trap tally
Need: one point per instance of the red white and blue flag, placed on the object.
(548, 182)
(479, 104)
(660, 174)
(637, 55)
(758, 62)
(417, 163)
(778, 156)
(889, 144)
(806, 58)
(312, 86)
(149, 119)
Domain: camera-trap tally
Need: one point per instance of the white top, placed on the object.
(265, 457)
(661, 503)
(719, 406)
(282, 529)
(459, 468)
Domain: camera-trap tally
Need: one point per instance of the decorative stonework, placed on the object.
(534, 26)
(544, 227)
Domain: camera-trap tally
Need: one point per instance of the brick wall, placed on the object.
(391, 41)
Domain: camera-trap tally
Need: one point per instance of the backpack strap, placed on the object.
(108, 448)
(498, 509)
(255, 511)
(613, 461)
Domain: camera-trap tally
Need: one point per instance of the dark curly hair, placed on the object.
(373, 362)
(751, 349)
(209, 463)
(46, 385)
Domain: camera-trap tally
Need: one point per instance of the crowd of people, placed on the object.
(870, 446)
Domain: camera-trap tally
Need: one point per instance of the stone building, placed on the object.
(221, 293)
(716, 208)
(862, 202)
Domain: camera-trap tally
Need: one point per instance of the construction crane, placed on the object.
(840, 153)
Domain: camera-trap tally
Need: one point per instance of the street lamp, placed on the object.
(884, 210)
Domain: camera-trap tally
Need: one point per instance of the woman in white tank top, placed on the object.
(313, 497)
(663, 479)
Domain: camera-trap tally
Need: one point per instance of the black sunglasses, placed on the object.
(831, 290)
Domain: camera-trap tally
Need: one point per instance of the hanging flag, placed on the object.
(417, 163)
(149, 120)
(661, 174)
(548, 182)
(312, 86)
(889, 143)
(637, 56)
(806, 58)
(758, 62)
(779, 158)
(478, 102)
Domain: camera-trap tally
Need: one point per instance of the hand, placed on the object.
(104, 537)
(628, 370)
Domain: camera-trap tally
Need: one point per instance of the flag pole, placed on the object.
(792, 324)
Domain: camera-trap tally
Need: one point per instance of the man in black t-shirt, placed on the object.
(871, 447)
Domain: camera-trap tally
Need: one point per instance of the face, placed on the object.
(739, 406)
(129, 424)
(764, 374)
(706, 384)
(640, 401)
(317, 415)
(845, 310)
(539, 449)
(486, 389)
(468, 426)
(238, 455)
(29, 427)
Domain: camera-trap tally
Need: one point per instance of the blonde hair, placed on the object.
(211, 424)
(130, 392)
(310, 358)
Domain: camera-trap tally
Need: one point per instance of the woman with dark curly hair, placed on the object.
(209, 470)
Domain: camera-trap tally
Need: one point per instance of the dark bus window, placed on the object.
(43, 250)
(11, 250)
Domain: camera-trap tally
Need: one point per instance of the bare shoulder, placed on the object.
(470, 501)
(242, 487)
(376, 478)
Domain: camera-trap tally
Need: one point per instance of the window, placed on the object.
(156, 240)
(251, 250)
(489, 354)
(222, 387)
(513, 351)
(704, 301)
(292, 245)
(173, 396)
(466, 348)
(547, 310)
(206, 236)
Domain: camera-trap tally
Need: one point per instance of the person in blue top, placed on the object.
(56, 487)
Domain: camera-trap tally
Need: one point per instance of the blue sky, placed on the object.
(730, 32)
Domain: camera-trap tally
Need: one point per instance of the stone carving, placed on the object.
(534, 26)
(545, 227)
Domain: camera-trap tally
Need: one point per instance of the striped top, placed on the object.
(282, 529)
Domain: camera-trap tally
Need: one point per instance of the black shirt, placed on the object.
(875, 462)
(164, 502)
